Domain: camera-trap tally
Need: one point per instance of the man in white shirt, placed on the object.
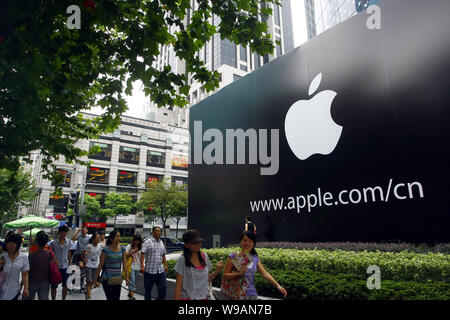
(155, 268)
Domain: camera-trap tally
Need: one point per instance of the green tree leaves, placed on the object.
(167, 200)
(49, 73)
(16, 189)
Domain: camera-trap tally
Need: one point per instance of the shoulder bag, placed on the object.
(55, 275)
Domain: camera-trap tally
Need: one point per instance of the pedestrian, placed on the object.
(61, 248)
(3, 273)
(39, 279)
(93, 251)
(35, 246)
(102, 240)
(15, 265)
(249, 225)
(134, 250)
(3, 244)
(193, 269)
(248, 264)
(112, 259)
(155, 268)
(82, 242)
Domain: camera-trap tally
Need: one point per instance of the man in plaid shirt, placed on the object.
(155, 268)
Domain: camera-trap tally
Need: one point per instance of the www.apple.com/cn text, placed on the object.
(399, 191)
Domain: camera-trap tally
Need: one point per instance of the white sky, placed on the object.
(136, 102)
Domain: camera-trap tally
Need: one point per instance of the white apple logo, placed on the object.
(308, 125)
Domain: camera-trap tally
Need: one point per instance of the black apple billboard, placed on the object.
(343, 139)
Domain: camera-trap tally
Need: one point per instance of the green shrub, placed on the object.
(402, 266)
(339, 275)
(311, 285)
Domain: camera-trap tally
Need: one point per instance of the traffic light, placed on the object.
(73, 200)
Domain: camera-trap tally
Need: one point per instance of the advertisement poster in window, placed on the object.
(180, 162)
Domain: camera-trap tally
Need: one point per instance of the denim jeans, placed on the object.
(159, 280)
(41, 289)
(133, 276)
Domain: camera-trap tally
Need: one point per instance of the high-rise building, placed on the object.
(324, 14)
(230, 60)
(137, 152)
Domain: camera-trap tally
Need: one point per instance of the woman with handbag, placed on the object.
(133, 256)
(238, 279)
(193, 269)
(92, 256)
(112, 259)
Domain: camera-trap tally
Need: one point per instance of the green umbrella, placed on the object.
(31, 221)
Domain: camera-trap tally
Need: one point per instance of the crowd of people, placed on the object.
(107, 263)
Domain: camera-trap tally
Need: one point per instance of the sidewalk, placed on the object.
(96, 294)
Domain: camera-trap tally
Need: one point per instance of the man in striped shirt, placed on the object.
(155, 268)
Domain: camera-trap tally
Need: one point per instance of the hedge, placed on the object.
(357, 246)
(310, 285)
(341, 275)
(403, 266)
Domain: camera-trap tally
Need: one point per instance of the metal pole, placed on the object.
(83, 190)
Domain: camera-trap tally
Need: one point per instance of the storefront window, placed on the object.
(155, 158)
(97, 175)
(103, 154)
(129, 155)
(126, 178)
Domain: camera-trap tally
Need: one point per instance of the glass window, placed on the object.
(243, 68)
(243, 53)
(257, 63)
(97, 175)
(129, 155)
(276, 14)
(279, 54)
(66, 178)
(103, 154)
(179, 180)
(155, 158)
(126, 178)
(179, 162)
(150, 177)
(59, 202)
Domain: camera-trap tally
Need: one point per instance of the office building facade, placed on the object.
(324, 14)
(230, 60)
(137, 152)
